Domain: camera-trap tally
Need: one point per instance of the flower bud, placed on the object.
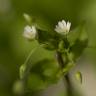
(30, 32)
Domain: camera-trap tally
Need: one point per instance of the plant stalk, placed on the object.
(66, 77)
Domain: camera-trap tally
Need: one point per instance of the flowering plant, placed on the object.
(64, 48)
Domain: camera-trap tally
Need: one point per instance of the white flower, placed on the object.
(63, 27)
(30, 32)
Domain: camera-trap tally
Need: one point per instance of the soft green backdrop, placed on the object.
(14, 48)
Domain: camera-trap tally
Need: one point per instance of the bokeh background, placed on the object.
(14, 48)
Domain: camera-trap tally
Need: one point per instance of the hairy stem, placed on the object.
(66, 77)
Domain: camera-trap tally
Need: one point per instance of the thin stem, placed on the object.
(66, 77)
(27, 65)
(27, 59)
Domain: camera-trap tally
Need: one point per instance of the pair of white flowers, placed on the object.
(62, 28)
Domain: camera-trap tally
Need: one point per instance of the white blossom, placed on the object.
(30, 32)
(63, 27)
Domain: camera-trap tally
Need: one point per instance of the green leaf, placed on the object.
(78, 76)
(35, 82)
(78, 48)
(78, 33)
(42, 74)
(47, 69)
(74, 35)
(79, 42)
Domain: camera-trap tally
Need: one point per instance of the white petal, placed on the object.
(63, 27)
(30, 32)
(64, 22)
(34, 29)
(27, 28)
(68, 26)
(60, 24)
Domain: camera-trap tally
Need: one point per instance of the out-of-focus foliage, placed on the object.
(14, 48)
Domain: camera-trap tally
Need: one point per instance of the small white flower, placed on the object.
(63, 27)
(30, 32)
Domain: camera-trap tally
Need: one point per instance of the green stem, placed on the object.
(27, 65)
(66, 77)
(69, 86)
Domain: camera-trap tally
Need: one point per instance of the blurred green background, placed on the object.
(14, 48)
